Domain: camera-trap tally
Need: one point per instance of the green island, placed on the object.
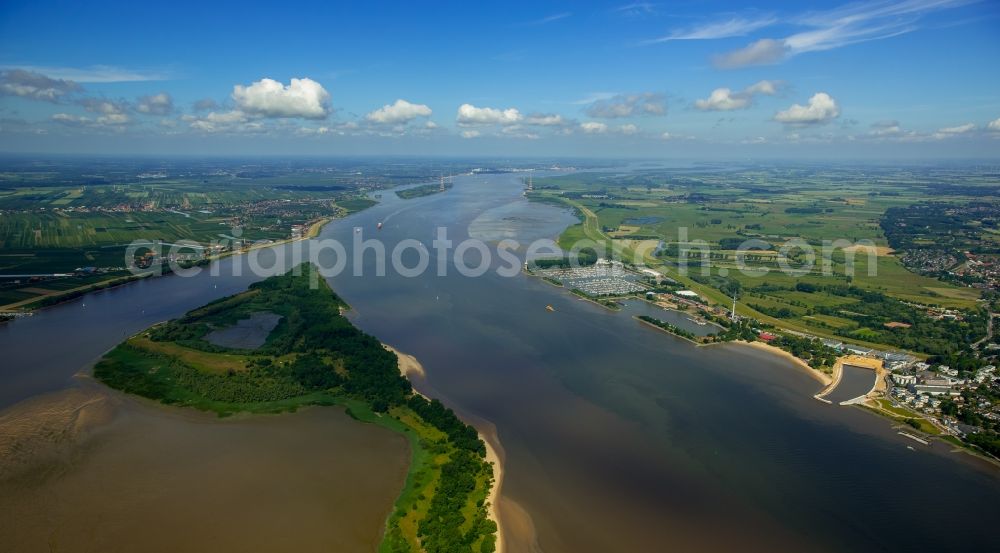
(422, 190)
(312, 355)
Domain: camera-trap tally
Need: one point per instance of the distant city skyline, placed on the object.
(886, 79)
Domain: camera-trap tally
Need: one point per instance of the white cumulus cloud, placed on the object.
(886, 128)
(545, 120)
(304, 98)
(156, 104)
(725, 99)
(399, 112)
(994, 125)
(629, 105)
(949, 132)
(593, 127)
(821, 109)
(469, 115)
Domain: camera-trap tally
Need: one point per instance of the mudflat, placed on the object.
(93, 470)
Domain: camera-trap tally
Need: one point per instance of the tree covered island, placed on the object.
(308, 353)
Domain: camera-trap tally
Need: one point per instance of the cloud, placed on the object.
(821, 109)
(111, 120)
(470, 134)
(36, 86)
(629, 129)
(628, 105)
(109, 112)
(724, 99)
(886, 128)
(769, 88)
(205, 104)
(838, 27)
(593, 97)
(545, 120)
(545, 20)
(593, 127)
(226, 121)
(95, 73)
(470, 116)
(765, 51)
(302, 98)
(157, 104)
(732, 27)
(635, 9)
(518, 131)
(70, 120)
(397, 113)
(949, 132)
(994, 125)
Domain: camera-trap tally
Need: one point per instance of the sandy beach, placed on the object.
(823, 378)
(409, 366)
(492, 456)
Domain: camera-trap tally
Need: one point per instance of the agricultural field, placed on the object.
(64, 225)
(652, 216)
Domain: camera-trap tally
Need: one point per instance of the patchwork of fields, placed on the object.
(653, 216)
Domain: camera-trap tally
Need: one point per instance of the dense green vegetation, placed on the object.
(421, 191)
(315, 356)
(585, 257)
(811, 350)
(854, 312)
(673, 329)
(940, 225)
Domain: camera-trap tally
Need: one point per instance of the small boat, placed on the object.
(357, 230)
(549, 308)
(379, 225)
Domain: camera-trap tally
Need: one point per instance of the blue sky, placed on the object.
(910, 78)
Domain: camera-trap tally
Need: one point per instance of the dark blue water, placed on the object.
(617, 436)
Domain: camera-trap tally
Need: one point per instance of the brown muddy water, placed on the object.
(87, 469)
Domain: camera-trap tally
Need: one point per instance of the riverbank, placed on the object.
(667, 330)
(26, 305)
(827, 380)
(408, 364)
(492, 442)
(409, 367)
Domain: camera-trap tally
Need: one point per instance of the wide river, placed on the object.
(616, 436)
